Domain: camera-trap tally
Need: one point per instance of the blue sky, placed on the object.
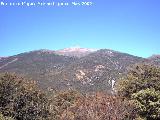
(130, 26)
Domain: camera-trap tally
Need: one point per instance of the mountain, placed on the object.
(98, 70)
(35, 64)
(82, 69)
(155, 60)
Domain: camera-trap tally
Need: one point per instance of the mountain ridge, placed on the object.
(95, 71)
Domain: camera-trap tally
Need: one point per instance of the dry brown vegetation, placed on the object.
(99, 106)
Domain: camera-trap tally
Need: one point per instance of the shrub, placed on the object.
(99, 107)
(22, 100)
(142, 85)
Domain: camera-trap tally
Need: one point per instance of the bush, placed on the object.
(5, 118)
(21, 99)
(62, 100)
(148, 103)
(99, 107)
(142, 85)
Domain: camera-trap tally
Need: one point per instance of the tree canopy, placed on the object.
(142, 85)
(21, 100)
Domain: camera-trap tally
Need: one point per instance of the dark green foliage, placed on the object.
(142, 85)
(22, 100)
(62, 100)
(139, 77)
(148, 103)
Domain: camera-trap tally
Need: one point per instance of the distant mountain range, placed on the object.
(86, 70)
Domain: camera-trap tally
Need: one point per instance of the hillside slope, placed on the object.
(94, 71)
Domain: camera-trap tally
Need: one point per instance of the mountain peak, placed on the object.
(3, 57)
(75, 51)
(155, 56)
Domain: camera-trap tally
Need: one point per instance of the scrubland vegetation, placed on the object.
(137, 97)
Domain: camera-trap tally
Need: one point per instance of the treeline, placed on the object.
(137, 98)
